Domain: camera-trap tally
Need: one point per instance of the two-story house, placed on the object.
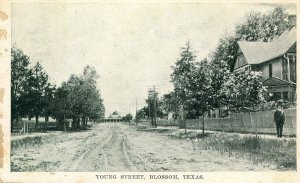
(276, 60)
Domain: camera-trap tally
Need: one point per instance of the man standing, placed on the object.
(279, 119)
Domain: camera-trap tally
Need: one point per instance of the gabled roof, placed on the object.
(259, 52)
(274, 81)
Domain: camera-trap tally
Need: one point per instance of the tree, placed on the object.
(181, 72)
(219, 75)
(83, 99)
(226, 52)
(39, 84)
(141, 113)
(256, 27)
(127, 117)
(181, 76)
(59, 106)
(201, 98)
(47, 100)
(154, 108)
(245, 89)
(170, 103)
(19, 77)
(115, 113)
(92, 102)
(263, 27)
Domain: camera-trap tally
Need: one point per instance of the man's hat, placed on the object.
(279, 103)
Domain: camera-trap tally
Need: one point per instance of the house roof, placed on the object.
(259, 52)
(274, 81)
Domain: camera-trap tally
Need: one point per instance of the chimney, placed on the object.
(292, 20)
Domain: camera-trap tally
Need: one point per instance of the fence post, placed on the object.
(256, 127)
(253, 130)
(24, 125)
(203, 123)
(199, 122)
(251, 122)
(222, 124)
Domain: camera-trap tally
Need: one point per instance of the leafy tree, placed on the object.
(127, 117)
(141, 113)
(257, 27)
(219, 75)
(155, 105)
(245, 89)
(225, 51)
(19, 77)
(181, 72)
(263, 27)
(115, 113)
(47, 100)
(181, 75)
(59, 106)
(170, 103)
(83, 99)
(92, 102)
(200, 99)
(38, 80)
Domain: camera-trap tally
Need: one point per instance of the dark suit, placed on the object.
(279, 119)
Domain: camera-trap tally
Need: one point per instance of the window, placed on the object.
(285, 95)
(285, 69)
(276, 96)
(241, 61)
(270, 70)
(292, 94)
(292, 60)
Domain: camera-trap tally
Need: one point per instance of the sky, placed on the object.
(132, 46)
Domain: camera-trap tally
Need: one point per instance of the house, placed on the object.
(276, 60)
(113, 118)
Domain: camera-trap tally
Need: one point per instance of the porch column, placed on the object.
(288, 68)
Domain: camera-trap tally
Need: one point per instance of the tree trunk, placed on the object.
(65, 129)
(73, 123)
(36, 120)
(83, 120)
(78, 123)
(203, 122)
(46, 120)
(182, 118)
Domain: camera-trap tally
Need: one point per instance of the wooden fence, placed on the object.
(25, 126)
(250, 122)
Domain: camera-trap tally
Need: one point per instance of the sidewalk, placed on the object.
(175, 128)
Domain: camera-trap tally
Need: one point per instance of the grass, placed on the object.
(281, 153)
(27, 141)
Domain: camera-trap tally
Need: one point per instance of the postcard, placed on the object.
(149, 91)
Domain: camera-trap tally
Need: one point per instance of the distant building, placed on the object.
(276, 60)
(113, 118)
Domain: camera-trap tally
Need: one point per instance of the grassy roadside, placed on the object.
(278, 153)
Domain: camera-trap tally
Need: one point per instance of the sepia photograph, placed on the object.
(153, 87)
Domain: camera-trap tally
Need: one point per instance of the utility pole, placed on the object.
(149, 106)
(136, 110)
(152, 99)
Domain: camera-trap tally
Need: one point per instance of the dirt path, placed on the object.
(118, 147)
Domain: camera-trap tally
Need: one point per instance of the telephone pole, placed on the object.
(136, 110)
(152, 95)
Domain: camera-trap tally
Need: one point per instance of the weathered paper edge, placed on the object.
(7, 176)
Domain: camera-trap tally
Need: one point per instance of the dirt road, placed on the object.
(120, 147)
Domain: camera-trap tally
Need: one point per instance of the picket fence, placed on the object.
(250, 122)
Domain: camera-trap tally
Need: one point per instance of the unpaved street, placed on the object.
(120, 147)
